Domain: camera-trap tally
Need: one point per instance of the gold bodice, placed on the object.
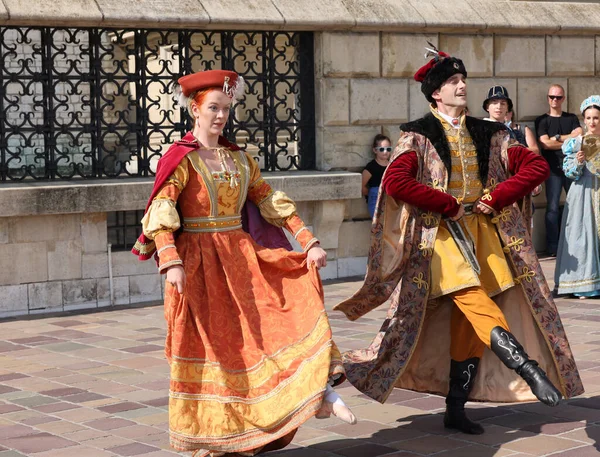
(464, 184)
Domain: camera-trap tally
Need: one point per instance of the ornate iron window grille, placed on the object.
(98, 103)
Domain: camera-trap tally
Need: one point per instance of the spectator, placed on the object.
(553, 129)
(498, 105)
(577, 264)
(523, 134)
(373, 172)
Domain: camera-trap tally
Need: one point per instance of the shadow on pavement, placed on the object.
(425, 434)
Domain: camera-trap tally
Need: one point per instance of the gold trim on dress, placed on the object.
(212, 224)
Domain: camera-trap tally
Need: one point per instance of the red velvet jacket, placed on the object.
(527, 170)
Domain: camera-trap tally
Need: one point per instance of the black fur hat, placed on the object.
(437, 71)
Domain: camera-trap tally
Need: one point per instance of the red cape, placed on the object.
(265, 234)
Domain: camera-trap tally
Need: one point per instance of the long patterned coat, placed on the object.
(411, 350)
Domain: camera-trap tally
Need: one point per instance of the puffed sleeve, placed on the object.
(277, 208)
(162, 219)
(571, 166)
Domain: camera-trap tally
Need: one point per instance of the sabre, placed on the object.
(464, 243)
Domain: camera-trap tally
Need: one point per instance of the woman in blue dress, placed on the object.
(578, 259)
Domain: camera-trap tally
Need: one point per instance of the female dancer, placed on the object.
(248, 339)
(578, 258)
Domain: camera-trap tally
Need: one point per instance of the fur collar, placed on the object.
(481, 132)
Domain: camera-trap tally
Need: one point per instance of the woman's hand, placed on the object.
(580, 156)
(176, 277)
(316, 255)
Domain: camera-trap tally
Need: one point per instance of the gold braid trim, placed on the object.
(514, 242)
(527, 275)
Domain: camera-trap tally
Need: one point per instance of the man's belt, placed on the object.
(464, 243)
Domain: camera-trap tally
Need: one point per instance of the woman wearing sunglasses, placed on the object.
(373, 172)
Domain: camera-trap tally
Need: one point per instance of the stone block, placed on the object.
(476, 51)
(120, 290)
(345, 148)
(449, 16)
(327, 221)
(348, 54)
(597, 55)
(402, 53)
(378, 101)
(62, 12)
(316, 14)
(519, 55)
(22, 263)
(13, 300)
(64, 260)
(533, 96)
(418, 104)
(143, 288)
(4, 230)
(517, 16)
(94, 232)
(579, 89)
(352, 267)
(80, 294)
(249, 14)
(334, 102)
(384, 15)
(306, 211)
(44, 228)
(94, 265)
(60, 198)
(570, 55)
(45, 296)
(477, 89)
(126, 264)
(354, 239)
(392, 132)
(356, 209)
(144, 12)
(316, 187)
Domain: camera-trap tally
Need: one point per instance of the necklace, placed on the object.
(222, 154)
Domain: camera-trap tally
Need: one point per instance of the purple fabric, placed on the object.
(265, 234)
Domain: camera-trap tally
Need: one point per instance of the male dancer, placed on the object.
(452, 253)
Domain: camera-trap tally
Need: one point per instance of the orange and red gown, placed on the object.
(248, 341)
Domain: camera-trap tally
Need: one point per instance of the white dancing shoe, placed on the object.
(333, 404)
(342, 412)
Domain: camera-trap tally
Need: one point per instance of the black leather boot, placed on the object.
(462, 375)
(511, 353)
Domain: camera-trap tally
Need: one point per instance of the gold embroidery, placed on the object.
(502, 216)
(527, 275)
(428, 217)
(425, 249)
(493, 184)
(435, 184)
(514, 242)
(420, 282)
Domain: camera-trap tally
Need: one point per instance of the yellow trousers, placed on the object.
(473, 318)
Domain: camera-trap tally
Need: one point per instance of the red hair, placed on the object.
(199, 97)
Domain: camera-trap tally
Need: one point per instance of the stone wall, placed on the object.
(54, 236)
(365, 86)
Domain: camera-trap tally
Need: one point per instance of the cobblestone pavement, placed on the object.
(95, 385)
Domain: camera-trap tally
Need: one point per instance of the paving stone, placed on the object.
(39, 442)
(132, 449)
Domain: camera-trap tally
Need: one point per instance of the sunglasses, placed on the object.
(382, 149)
(556, 97)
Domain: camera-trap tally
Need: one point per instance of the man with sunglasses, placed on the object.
(451, 254)
(553, 129)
